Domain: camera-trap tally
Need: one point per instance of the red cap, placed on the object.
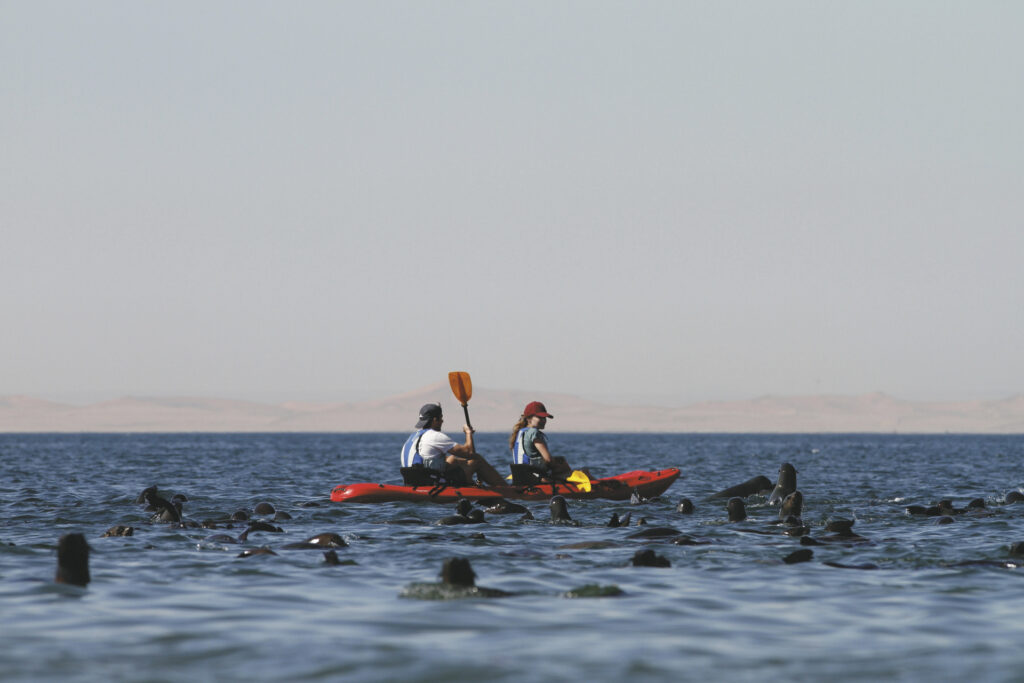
(536, 408)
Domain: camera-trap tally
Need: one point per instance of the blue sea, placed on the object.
(169, 604)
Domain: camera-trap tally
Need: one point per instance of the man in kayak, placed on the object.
(434, 449)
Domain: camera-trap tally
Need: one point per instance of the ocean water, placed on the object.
(166, 604)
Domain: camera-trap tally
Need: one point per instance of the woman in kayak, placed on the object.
(432, 448)
(530, 446)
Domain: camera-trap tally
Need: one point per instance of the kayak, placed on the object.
(620, 487)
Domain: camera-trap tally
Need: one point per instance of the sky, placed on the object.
(660, 202)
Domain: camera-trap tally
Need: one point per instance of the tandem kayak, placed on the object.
(620, 487)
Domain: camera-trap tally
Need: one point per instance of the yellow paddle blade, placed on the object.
(581, 480)
(462, 386)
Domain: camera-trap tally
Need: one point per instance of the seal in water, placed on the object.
(842, 532)
(166, 511)
(463, 514)
(802, 555)
(559, 510)
(331, 558)
(685, 507)
(751, 487)
(457, 580)
(649, 558)
(617, 521)
(146, 491)
(324, 540)
(264, 509)
(737, 510)
(72, 560)
(457, 571)
(785, 485)
(504, 507)
(792, 506)
(119, 530)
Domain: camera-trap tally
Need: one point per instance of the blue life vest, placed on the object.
(519, 454)
(411, 450)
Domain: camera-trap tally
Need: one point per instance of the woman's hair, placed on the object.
(515, 430)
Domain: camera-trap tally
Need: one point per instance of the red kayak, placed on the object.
(619, 487)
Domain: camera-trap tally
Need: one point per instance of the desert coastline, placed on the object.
(494, 410)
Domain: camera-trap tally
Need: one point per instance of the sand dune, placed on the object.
(495, 410)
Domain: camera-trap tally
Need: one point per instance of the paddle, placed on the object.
(462, 387)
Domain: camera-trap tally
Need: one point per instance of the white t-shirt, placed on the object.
(434, 446)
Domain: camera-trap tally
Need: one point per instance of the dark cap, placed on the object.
(427, 413)
(536, 408)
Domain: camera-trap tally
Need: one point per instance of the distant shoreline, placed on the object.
(495, 411)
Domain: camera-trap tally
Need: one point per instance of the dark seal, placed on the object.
(785, 485)
(649, 558)
(792, 506)
(73, 560)
(559, 510)
(737, 510)
(751, 487)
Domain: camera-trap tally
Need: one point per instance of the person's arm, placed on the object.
(467, 449)
(542, 448)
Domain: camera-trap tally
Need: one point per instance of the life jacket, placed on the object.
(519, 454)
(411, 450)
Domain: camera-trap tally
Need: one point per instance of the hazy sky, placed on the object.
(665, 200)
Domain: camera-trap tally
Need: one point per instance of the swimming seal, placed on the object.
(457, 580)
(617, 521)
(842, 530)
(685, 507)
(264, 509)
(504, 507)
(636, 499)
(72, 560)
(142, 496)
(464, 514)
(559, 510)
(751, 487)
(802, 555)
(457, 571)
(792, 506)
(737, 510)
(649, 558)
(785, 485)
(324, 540)
(843, 527)
(166, 511)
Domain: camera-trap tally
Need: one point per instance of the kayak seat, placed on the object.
(418, 475)
(528, 475)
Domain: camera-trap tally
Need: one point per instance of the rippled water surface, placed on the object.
(168, 604)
